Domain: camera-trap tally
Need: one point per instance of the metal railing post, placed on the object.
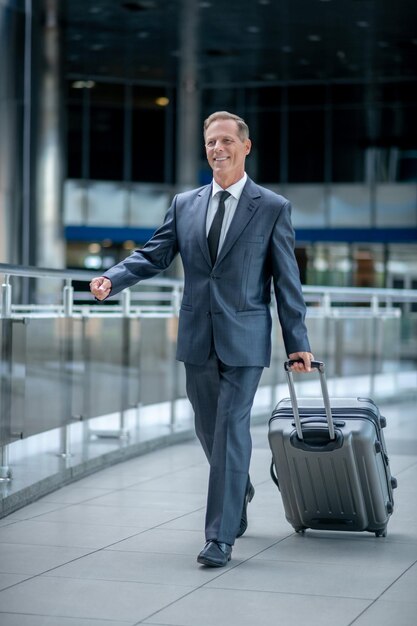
(6, 298)
(68, 305)
(126, 302)
(5, 470)
(68, 298)
(6, 313)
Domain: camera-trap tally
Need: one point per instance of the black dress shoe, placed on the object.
(215, 554)
(250, 492)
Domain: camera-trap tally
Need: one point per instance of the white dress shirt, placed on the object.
(230, 205)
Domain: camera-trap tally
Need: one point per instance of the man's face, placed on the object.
(226, 152)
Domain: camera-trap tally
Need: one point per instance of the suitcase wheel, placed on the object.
(300, 530)
(381, 533)
(394, 483)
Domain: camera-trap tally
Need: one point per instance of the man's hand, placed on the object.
(307, 357)
(100, 287)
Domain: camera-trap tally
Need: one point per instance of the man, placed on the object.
(224, 335)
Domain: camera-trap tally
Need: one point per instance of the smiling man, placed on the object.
(235, 240)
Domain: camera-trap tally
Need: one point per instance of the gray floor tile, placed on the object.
(141, 518)
(7, 580)
(182, 481)
(404, 589)
(64, 534)
(309, 578)
(224, 607)
(35, 509)
(189, 542)
(27, 559)
(163, 541)
(19, 619)
(384, 613)
(6, 521)
(188, 502)
(358, 550)
(76, 493)
(191, 521)
(92, 599)
(140, 567)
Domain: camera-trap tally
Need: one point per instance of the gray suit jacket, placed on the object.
(229, 302)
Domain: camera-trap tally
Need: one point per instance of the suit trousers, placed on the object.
(222, 397)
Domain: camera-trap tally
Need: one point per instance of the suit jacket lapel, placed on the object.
(200, 215)
(245, 210)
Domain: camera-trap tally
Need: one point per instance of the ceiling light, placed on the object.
(143, 34)
(314, 38)
(253, 29)
(162, 101)
(83, 84)
(286, 49)
(362, 24)
(383, 44)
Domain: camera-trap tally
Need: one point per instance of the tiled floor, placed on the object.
(119, 548)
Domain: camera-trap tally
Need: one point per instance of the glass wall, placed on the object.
(302, 133)
(345, 155)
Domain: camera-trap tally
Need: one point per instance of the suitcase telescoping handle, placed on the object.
(319, 365)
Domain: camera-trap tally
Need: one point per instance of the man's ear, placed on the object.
(248, 146)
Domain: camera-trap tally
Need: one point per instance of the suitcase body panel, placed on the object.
(344, 484)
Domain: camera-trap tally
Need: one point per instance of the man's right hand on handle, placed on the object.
(100, 287)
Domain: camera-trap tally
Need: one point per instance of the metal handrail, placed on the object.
(327, 296)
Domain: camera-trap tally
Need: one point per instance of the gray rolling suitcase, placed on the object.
(330, 462)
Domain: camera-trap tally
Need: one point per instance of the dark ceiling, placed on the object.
(243, 41)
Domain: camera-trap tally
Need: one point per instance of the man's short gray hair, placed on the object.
(242, 127)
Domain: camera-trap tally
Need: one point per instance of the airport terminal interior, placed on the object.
(103, 484)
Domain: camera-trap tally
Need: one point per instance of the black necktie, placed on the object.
(216, 227)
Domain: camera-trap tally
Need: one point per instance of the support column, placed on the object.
(50, 249)
(189, 127)
(12, 24)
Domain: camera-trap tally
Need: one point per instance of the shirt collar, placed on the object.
(235, 190)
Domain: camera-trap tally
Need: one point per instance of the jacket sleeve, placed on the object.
(156, 255)
(287, 285)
